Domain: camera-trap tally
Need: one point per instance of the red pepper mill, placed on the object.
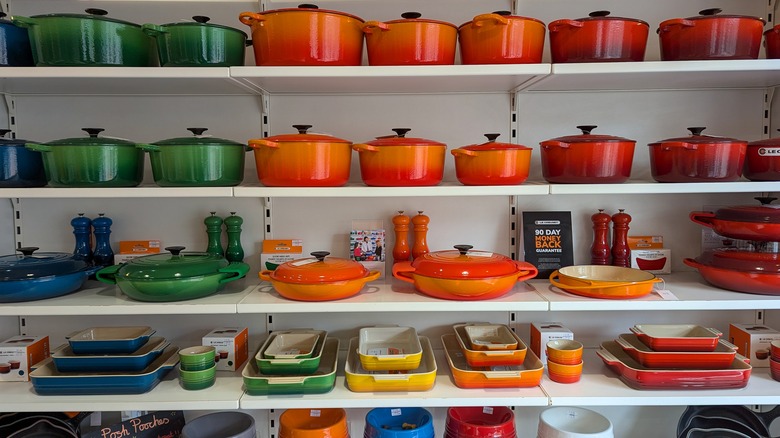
(401, 249)
(599, 251)
(420, 245)
(621, 255)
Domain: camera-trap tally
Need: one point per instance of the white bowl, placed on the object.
(572, 422)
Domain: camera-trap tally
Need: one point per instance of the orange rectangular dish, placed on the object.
(527, 375)
(489, 358)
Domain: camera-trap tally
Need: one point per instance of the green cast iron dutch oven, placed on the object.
(91, 161)
(197, 161)
(66, 40)
(198, 43)
(174, 276)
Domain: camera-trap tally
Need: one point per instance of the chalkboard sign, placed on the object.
(154, 425)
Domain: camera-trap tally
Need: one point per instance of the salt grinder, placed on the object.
(420, 228)
(234, 251)
(103, 255)
(401, 248)
(214, 232)
(82, 228)
(599, 251)
(621, 255)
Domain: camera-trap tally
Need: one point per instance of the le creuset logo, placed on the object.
(769, 152)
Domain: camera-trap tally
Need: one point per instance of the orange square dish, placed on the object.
(527, 375)
(489, 358)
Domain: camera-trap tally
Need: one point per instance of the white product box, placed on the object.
(655, 261)
(19, 354)
(544, 332)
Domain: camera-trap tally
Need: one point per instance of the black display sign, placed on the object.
(547, 240)
(154, 425)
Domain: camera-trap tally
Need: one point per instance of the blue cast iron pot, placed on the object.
(15, 49)
(19, 166)
(30, 277)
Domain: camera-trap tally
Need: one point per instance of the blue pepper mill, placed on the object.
(82, 229)
(103, 255)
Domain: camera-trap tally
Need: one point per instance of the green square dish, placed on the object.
(291, 366)
(320, 381)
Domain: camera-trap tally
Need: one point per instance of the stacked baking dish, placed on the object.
(106, 360)
(675, 356)
(297, 361)
(490, 356)
(390, 359)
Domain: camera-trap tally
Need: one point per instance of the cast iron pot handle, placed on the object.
(93, 132)
(497, 17)
(108, 274)
(27, 250)
(463, 249)
(237, 270)
(696, 130)
(599, 14)
(587, 128)
(411, 15)
(174, 250)
(401, 132)
(197, 131)
(153, 30)
(201, 19)
(302, 128)
(307, 6)
(710, 11)
(148, 147)
(3, 132)
(320, 255)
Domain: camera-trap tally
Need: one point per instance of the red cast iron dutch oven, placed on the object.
(710, 36)
(742, 271)
(463, 274)
(492, 163)
(410, 41)
(598, 38)
(501, 38)
(587, 158)
(772, 42)
(397, 160)
(697, 158)
(747, 222)
(302, 159)
(762, 160)
(305, 35)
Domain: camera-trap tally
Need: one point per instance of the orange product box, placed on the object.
(278, 251)
(645, 242)
(544, 332)
(232, 344)
(139, 246)
(19, 354)
(752, 341)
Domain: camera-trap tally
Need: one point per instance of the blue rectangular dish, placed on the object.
(66, 360)
(109, 340)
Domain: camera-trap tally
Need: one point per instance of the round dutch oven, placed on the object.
(710, 36)
(598, 38)
(587, 158)
(173, 276)
(30, 276)
(463, 274)
(87, 40)
(412, 40)
(746, 222)
(197, 161)
(198, 43)
(492, 163)
(742, 271)
(501, 38)
(319, 278)
(397, 160)
(14, 44)
(19, 166)
(305, 35)
(762, 160)
(697, 158)
(91, 161)
(302, 159)
(772, 42)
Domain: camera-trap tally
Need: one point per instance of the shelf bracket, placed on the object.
(513, 215)
(267, 219)
(265, 111)
(760, 318)
(273, 423)
(769, 97)
(10, 107)
(16, 206)
(770, 12)
(261, 5)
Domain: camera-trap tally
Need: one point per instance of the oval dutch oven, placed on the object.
(501, 38)
(598, 38)
(197, 161)
(87, 40)
(492, 163)
(710, 36)
(319, 278)
(463, 274)
(305, 35)
(398, 160)
(762, 160)
(697, 158)
(198, 43)
(587, 158)
(91, 161)
(412, 40)
(173, 276)
(746, 222)
(742, 271)
(302, 159)
(15, 47)
(19, 166)
(30, 276)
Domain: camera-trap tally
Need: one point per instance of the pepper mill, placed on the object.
(401, 250)
(214, 231)
(621, 255)
(234, 251)
(599, 251)
(420, 245)
(82, 229)
(103, 255)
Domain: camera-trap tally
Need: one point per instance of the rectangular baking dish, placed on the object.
(294, 344)
(677, 337)
(109, 340)
(320, 381)
(291, 366)
(389, 348)
(490, 337)
(489, 358)
(361, 380)
(527, 375)
(66, 360)
(720, 358)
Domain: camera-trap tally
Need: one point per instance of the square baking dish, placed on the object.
(389, 348)
(361, 380)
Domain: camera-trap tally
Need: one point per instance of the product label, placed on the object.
(155, 425)
(547, 240)
(769, 152)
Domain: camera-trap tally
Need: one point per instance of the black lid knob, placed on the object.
(504, 13)
(175, 250)
(3, 132)
(411, 15)
(492, 137)
(197, 131)
(710, 11)
(401, 132)
(765, 200)
(696, 130)
(95, 11)
(308, 6)
(587, 128)
(93, 132)
(463, 249)
(27, 250)
(598, 14)
(320, 255)
(3, 15)
(302, 128)
(201, 19)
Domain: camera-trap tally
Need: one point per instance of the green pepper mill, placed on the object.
(214, 231)
(234, 252)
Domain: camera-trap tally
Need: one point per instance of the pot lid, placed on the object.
(91, 14)
(7, 141)
(307, 7)
(493, 145)
(604, 16)
(587, 137)
(768, 142)
(198, 139)
(30, 265)
(92, 140)
(697, 137)
(464, 263)
(400, 139)
(319, 269)
(202, 21)
(172, 265)
(765, 213)
(304, 136)
(415, 17)
(741, 260)
(714, 13)
(505, 14)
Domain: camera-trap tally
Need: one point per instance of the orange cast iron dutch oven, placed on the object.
(319, 278)
(598, 38)
(305, 35)
(302, 159)
(697, 158)
(747, 222)
(410, 41)
(397, 160)
(492, 163)
(463, 274)
(501, 38)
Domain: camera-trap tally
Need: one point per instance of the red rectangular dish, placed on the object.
(677, 337)
(722, 357)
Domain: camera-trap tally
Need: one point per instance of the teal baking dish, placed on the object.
(109, 340)
(66, 360)
(291, 366)
(320, 381)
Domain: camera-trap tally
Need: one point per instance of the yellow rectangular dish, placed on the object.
(389, 348)
(361, 380)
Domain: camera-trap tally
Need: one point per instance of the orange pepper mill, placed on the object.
(621, 254)
(401, 249)
(420, 245)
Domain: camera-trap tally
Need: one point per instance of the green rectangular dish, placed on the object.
(291, 366)
(321, 381)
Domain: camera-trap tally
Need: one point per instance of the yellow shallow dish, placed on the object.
(527, 375)
(361, 380)
(389, 348)
(603, 281)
